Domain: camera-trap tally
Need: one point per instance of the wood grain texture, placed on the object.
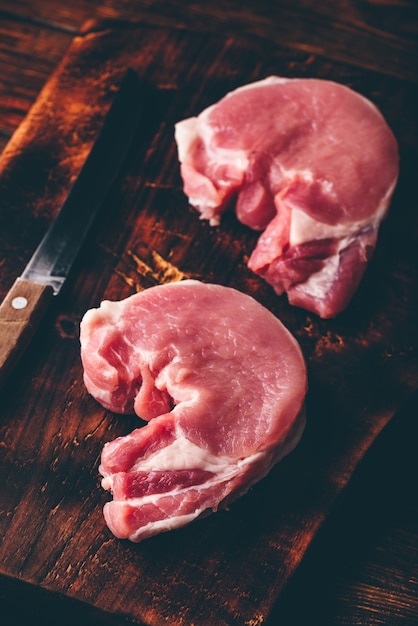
(20, 315)
(18, 41)
(371, 34)
(231, 567)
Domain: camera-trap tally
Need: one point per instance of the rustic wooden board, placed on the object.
(374, 35)
(230, 567)
(18, 41)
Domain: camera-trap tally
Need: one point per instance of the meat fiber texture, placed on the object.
(310, 163)
(221, 383)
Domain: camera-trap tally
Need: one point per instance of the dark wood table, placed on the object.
(360, 562)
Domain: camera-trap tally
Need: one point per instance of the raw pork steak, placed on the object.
(221, 383)
(312, 164)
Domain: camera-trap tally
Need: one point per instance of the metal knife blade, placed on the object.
(28, 299)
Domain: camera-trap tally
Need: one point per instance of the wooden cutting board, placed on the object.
(231, 567)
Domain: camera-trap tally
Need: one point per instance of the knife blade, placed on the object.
(31, 294)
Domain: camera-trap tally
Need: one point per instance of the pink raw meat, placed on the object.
(221, 383)
(311, 163)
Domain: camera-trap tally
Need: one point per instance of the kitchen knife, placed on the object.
(30, 295)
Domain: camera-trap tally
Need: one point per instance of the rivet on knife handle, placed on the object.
(20, 314)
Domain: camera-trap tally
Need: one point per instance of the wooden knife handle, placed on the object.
(20, 314)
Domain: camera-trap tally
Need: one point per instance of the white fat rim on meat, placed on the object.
(222, 473)
(182, 454)
(170, 523)
(318, 283)
(304, 228)
(221, 466)
(186, 131)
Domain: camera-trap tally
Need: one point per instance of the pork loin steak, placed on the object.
(311, 163)
(221, 383)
